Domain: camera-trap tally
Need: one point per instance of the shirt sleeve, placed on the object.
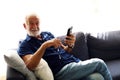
(24, 48)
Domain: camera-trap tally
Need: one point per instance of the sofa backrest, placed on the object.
(105, 45)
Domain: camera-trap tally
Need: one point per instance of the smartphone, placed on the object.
(69, 31)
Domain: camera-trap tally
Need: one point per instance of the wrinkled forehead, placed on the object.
(32, 18)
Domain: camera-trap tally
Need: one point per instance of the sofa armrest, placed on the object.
(12, 74)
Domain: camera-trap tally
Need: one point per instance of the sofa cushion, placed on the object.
(114, 67)
(80, 49)
(105, 45)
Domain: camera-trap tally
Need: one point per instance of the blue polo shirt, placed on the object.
(56, 58)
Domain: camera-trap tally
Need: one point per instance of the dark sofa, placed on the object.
(105, 45)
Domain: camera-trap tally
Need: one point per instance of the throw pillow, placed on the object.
(43, 72)
(14, 61)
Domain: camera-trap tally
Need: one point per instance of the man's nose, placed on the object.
(35, 26)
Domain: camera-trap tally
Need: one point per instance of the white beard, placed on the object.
(33, 33)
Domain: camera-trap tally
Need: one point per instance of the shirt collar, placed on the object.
(28, 38)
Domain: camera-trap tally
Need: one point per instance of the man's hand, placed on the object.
(54, 42)
(70, 40)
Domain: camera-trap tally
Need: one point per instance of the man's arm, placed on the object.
(32, 61)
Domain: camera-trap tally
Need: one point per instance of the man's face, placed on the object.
(32, 26)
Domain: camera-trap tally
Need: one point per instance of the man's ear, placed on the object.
(24, 25)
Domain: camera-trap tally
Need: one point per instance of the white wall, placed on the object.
(57, 16)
